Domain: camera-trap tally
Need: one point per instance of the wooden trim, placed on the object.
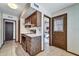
(47, 16)
(15, 30)
(50, 32)
(59, 15)
(68, 51)
(73, 53)
(66, 30)
(50, 43)
(19, 30)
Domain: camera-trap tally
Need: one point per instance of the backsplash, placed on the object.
(36, 30)
(33, 31)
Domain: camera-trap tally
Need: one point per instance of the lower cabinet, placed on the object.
(23, 42)
(32, 45)
(28, 44)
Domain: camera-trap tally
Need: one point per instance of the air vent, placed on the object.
(37, 6)
(10, 17)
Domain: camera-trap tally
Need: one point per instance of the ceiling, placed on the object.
(27, 12)
(53, 7)
(15, 12)
(50, 7)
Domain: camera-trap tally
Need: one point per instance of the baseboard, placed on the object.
(67, 51)
(42, 50)
(73, 53)
(1, 45)
(16, 41)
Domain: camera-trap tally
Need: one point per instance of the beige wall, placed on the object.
(72, 27)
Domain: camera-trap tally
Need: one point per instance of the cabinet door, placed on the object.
(28, 44)
(34, 19)
(39, 19)
(28, 20)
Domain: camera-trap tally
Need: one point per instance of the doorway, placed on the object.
(9, 30)
(46, 32)
(60, 31)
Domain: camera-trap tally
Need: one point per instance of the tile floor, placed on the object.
(11, 48)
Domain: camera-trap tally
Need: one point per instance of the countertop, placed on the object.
(31, 35)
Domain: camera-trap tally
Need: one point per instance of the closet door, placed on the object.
(60, 31)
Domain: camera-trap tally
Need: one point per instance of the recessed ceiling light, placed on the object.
(12, 5)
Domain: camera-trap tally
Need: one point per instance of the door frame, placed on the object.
(66, 28)
(8, 20)
(50, 43)
(19, 34)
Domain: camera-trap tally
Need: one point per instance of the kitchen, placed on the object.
(31, 37)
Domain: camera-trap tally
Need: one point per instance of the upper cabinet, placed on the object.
(34, 20)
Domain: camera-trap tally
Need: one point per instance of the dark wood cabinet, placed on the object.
(32, 45)
(28, 19)
(23, 42)
(34, 19)
(28, 44)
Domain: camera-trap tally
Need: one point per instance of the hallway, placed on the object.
(10, 48)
